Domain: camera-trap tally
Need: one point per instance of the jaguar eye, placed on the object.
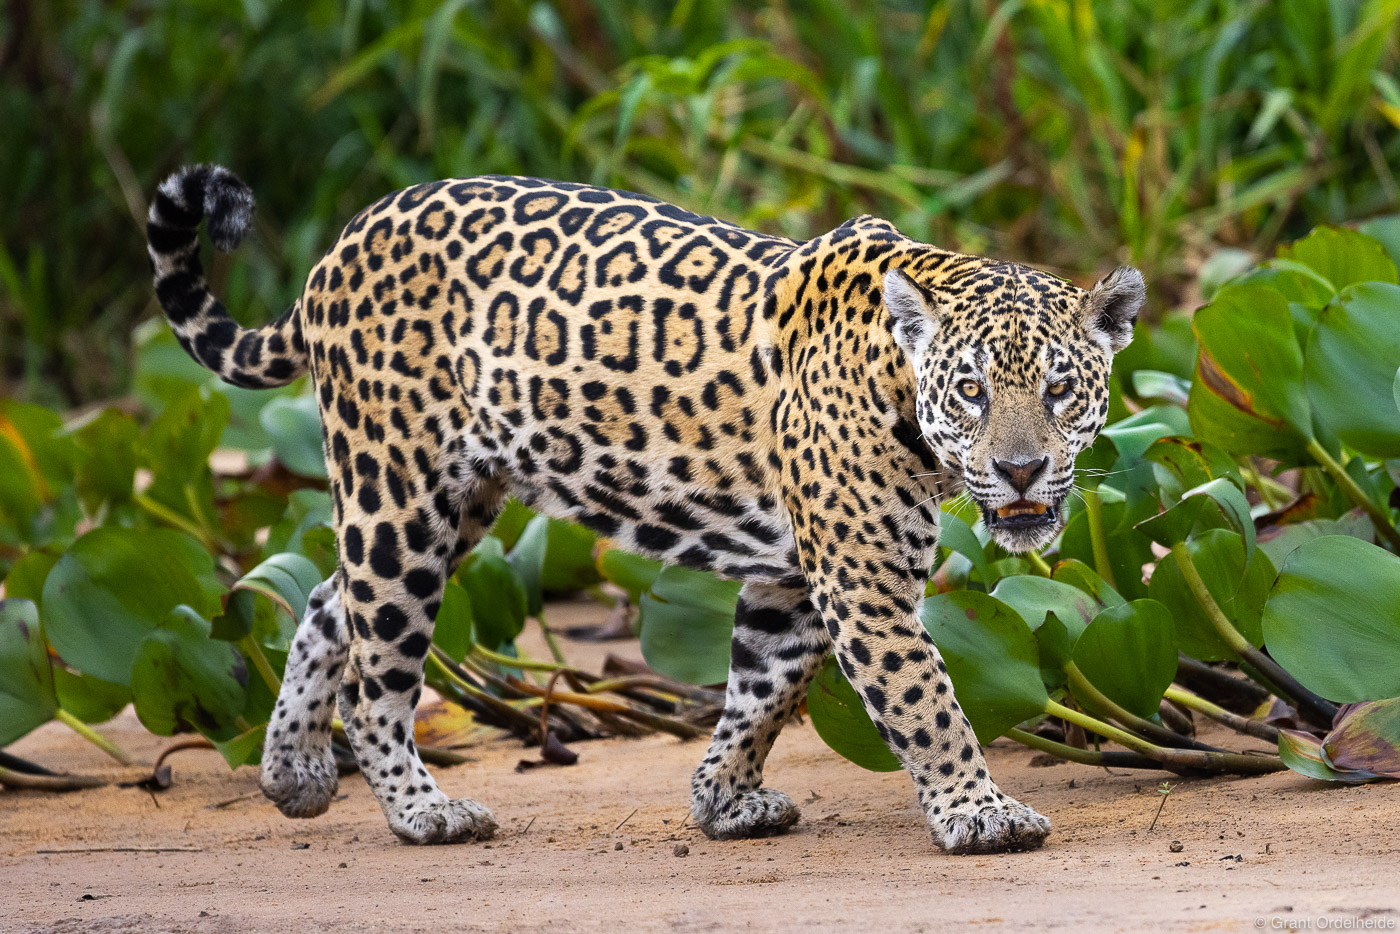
(1057, 390)
(970, 389)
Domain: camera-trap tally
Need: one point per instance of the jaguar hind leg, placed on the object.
(298, 771)
(778, 645)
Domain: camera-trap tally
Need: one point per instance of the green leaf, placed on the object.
(1302, 753)
(1333, 619)
(1386, 232)
(1341, 256)
(1036, 597)
(957, 535)
(1129, 653)
(1239, 588)
(181, 678)
(26, 579)
(452, 632)
(687, 621)
(293, 425)
(286, 579)
(841, 721)
(244, 748)
(632, 573)
(1079, 575)
(1248, 394)
(1185, 463)
(992, 658)
(1055, 646)
(90, 699)
(499, 603)
(1367, 739)
(110, 453)
(114, 587)
(1155, 384)
(1352, 357)
(26, 680)
(1212, 505)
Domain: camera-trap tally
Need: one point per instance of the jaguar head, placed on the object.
(1012, 380)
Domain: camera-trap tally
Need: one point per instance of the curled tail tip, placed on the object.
(211, 192)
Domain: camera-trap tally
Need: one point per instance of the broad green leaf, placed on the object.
(243, 749)
(452, 632)
(26, 578)
(1386, 232)
(1341, 256)
(1082, 577)
(1129, 653)
(1035, 597)
(1186, 463)
(1239, 588)
(1154, 384)
(1302, 753)
(992, 658)
(511, 522)
(499, 603)
(115, 586)
(1333, 619)
(26, 679)
(110, 453)
(294, 427)
(286, 579)
(90, 699)
(632, 573)
(840, 720)
(1367, 739)
(1281, 540)
(181, 678)
(1352, 357)
(687, 621)
(1055, 646)
(957, 535)
(1128, 549)
(1212, 505)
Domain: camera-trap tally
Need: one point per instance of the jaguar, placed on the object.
(786, 414)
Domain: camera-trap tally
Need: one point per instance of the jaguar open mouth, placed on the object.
(1021, 514)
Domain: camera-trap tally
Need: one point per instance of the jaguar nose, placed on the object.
(1022, 475)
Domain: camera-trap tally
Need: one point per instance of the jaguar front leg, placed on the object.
(778, 645)
(903, 684)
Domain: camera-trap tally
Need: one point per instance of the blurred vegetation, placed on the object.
(1059, 132)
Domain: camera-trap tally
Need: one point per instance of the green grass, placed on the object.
(1068, 134)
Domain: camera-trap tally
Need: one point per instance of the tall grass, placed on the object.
(1063, 132)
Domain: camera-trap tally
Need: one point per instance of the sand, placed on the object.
(595, 847)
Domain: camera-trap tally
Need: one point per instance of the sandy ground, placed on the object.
(594, 847)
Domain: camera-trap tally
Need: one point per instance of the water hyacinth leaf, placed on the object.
(632, 573)
(499, 602)
(453, 630)
(1036, 597)
(511, 522)
(1056, 648)
(293, 425)
(1155, 384)
(1079, 575)
(1218, 419)
(1212, 505)
(1352, 357)
(1341, 256)
(26, 680)
(1186, 463)
(1386, 232)
(992, 659)
(1128, 549)
(110, 453)
(116, 585)
(244, 748)
(286, 579)
(90, 699)
(527, 556)
(957, 535)
(1302, 753)
(1129, 653)
(1367, 739)
(687, 621)
(1239, 588)
(1281, 540)
(569, 563)
(26, 578)
(842, 722)
(1298, 283)
(1333, 619)
(178, 443)
(182, 679)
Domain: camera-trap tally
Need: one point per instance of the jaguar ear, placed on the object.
(1111, 308)
(911, 313)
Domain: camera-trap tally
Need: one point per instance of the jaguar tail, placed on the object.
(255, 358)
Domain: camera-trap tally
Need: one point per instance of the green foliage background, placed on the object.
(1059, 132)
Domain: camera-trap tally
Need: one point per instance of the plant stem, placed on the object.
(1107, 706)
(519, 664)
(1247, 725)
(254, 652)
(1038, 564)
(12, 779)
(1126, 760)
(550, 641)
(1378, 517)
(1254, 662)
(94, 737)
(1098, 541)
(170, 516)
(1183, 758)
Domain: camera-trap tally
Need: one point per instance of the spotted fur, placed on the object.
(786, 414)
